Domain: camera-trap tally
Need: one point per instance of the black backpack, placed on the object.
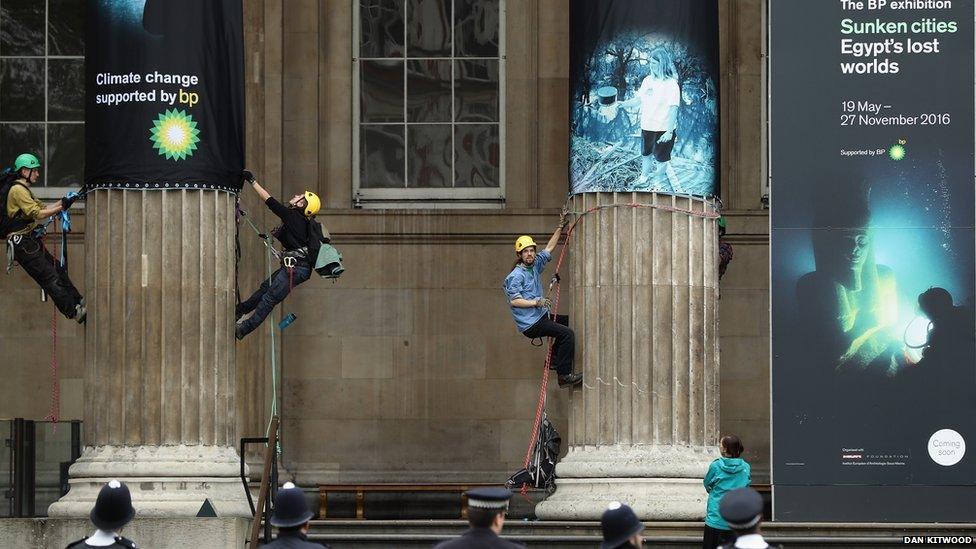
(9, 224)
(541, 472)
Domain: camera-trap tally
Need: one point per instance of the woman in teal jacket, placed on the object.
(724, 474)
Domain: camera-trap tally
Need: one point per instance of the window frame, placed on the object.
(440, 197)
(44, 191)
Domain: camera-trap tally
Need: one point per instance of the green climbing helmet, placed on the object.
(26, 160)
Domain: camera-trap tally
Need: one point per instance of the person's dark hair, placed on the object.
(733, 446)
(935, 301)
(482, 518)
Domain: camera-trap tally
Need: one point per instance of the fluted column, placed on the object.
(160, 377)
(644, 427)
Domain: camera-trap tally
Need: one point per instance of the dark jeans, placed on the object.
(713, 537)
(53, 278)
(272, 292)
(563, 349)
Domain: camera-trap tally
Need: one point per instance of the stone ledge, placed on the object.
(55, 533)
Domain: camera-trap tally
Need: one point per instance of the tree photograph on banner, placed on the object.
(644, 103)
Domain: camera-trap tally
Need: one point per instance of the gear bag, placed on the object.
(541, 472)
(328, 260)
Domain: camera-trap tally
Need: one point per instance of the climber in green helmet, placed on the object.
(21, 214)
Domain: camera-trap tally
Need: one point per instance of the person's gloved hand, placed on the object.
(248, 176)
(544, 303)
(68, 200)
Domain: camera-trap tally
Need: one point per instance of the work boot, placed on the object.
(80, 313)
(570, 380)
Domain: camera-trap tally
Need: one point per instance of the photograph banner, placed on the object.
(644, 96)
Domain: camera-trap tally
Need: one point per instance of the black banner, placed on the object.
(164, 94)
(872, 252)
(644, 96)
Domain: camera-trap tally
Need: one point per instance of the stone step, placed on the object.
(425, 533)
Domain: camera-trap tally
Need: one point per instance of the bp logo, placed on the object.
(898, 150)
(175, 135)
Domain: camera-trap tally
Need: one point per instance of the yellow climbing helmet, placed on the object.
(312, 203)
(524, 242)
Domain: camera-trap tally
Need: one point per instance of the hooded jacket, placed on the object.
(724, 474)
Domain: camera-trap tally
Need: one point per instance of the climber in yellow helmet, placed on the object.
(531, 309)
(300, 236)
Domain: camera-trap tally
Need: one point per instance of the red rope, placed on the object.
(54, 414)
(541, 406)
(55, 410)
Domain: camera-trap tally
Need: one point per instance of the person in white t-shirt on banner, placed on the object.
(658, 97)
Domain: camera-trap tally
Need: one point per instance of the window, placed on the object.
(428, 103)
(42, 86)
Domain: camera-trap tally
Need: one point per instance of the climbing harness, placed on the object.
(554, 288)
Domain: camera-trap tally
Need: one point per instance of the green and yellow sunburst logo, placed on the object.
(175, 135)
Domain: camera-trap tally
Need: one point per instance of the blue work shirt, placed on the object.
(526, 283)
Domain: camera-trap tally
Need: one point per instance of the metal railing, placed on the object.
(272, 484)
(38, 455)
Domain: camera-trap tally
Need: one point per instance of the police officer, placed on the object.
(742, 509)
(291, 516)
(621, 527)
(486, 515)
(113, 510)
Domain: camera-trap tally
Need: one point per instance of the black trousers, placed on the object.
(272, 292)
(713, 537)
(564, 347)
(48, 274)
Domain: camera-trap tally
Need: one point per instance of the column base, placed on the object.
(659, 482)
(165, 481)
(665, 499)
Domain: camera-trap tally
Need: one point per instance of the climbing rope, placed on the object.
(54, 411)
(270, 256)
(274, 362)
(554, 286)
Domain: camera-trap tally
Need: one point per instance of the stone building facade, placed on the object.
(409, 367)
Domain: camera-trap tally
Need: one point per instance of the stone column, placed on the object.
(159, 372)
(644, 427)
